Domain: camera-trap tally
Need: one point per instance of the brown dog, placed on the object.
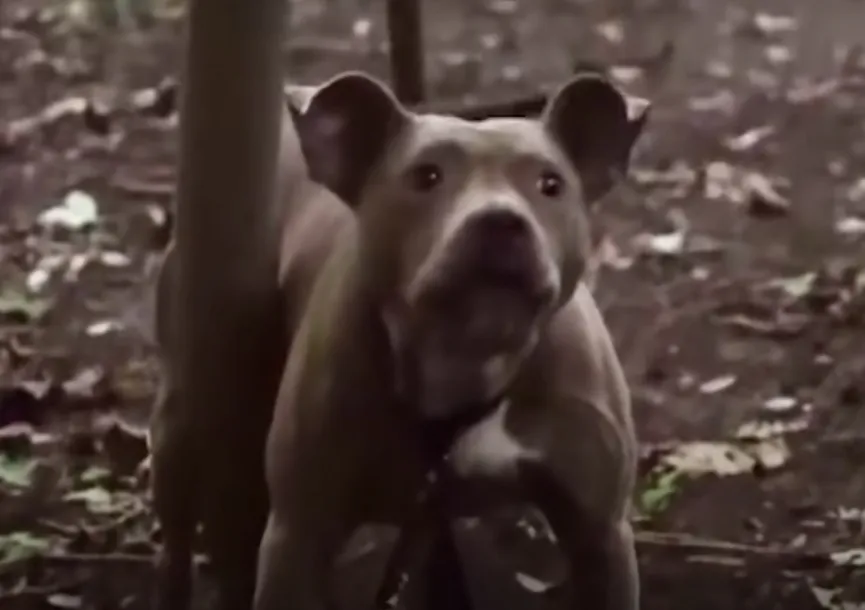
(456, 280)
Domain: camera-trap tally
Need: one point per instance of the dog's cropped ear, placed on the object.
(596, 126)
(344, 128)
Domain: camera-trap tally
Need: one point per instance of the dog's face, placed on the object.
(477, 230)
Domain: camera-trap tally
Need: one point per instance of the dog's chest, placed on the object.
(489, 448)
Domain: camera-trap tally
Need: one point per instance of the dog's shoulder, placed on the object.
(577, 358)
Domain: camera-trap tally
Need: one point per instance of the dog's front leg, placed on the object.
(295, 560)
(600, 552)
(313, 476)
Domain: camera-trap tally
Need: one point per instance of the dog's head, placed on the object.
(475, 231)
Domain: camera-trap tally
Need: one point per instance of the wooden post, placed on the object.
(229, 132)
(223, 358)
(405, 34)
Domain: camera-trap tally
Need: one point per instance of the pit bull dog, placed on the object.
(447, 274)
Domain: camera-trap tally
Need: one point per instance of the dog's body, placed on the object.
(393, 313)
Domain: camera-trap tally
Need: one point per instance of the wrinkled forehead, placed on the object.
(492, 140)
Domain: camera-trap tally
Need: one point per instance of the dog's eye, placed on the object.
(425, 177)
(550, 184)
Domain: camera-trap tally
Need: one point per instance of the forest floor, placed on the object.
(731, 276)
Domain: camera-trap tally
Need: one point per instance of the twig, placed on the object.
(26, 593)
(696, 544)
(66, 559)
(141, 188)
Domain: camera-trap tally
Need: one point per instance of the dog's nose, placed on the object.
(500, 224)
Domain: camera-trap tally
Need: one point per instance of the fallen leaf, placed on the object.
(796, 286)
(779, 326)
(830, 599)
(65, 600)
(112, 258)
(764, 430)
(811, 91)
(765, 200)
(56, 111)
(770, 24)
(750, 138)
(532, 584)
(504, 8)
(850, 225)
(856, 191)
(97, 499)
(607, 254)
(668, 244)
(39, 277)
(721, 181)
(612, 31)
(18, 546)
(19, 437)
(94, 474)
(770, 454)
(718, 69)
(699, 458)
(157, 214)
(75, 264)
(780, 404)
(103, 327)
(659, 491)
(722, 101)
(849, 557)
(77, 211)
(718, 384)
(159, 101)
(21, 307)
(86, 384)
(361, 28)
(851, 514)
(625, 74)
(778, 54)
(727, 459)
(16, 472)
(678, 174)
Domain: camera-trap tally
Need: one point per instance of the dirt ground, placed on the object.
(730, 273)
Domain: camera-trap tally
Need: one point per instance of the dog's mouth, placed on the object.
(468, 319)
(504, 275)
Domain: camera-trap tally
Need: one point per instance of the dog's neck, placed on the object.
(368, 298)
(436, 435)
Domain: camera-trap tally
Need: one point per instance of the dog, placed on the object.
(429, 265)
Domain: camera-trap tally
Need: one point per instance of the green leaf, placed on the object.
(94, 474)
(101, 501)
(18, 546)
(97, 499)
(16, 472)
(797, 286)
(16, 302)
(657, 497)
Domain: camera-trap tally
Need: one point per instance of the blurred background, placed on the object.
(730, 268)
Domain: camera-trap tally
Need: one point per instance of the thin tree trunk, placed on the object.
(230, 117)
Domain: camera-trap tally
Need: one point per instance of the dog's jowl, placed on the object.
(454, 281)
